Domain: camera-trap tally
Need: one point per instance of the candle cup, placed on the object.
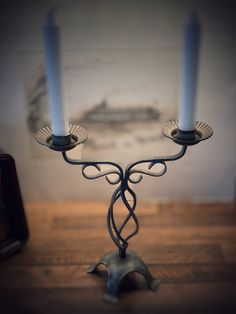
(201, 132)
(77, 135)
(185, 135)
(61, 140)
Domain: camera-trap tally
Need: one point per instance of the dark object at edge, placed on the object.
(13, 225)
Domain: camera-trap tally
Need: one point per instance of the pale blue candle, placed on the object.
(51, 38)
(191, 45)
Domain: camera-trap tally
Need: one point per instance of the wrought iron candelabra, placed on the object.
(122, 261)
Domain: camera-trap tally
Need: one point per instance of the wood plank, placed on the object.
(191, 247)
(173, 254)
(159, 220)
(194, 207)
(229, 251)
(77, 215)
(149, 237)
(188, 235)
(170, 254)
(68, 276)
(171, 298)
(83, 208)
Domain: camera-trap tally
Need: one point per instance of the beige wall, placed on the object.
(207, 171)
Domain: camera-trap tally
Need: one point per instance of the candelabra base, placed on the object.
(118, 268)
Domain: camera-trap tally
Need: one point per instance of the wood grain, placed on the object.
(190, 247)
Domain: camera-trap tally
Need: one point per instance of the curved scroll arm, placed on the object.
(124, 178)
(95, 164)
(131, 169)
(114, 230)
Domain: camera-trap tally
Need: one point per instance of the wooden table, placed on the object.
(190, 247)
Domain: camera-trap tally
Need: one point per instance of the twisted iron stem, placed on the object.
(123, 178)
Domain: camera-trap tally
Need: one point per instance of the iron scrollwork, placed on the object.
(132, 174)
(122, 262)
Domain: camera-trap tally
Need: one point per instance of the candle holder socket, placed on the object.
(61, 140)
(77, 135)
(202, 132)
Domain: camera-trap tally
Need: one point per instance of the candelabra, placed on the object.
(122, 262)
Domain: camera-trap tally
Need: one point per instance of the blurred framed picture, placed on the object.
(13, 226)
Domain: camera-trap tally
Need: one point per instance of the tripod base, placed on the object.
(118, 268)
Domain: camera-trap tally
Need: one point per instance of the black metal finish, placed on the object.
(185, 135)
(61, 140)
(123, 192)
(122, 262)
(118, 268)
